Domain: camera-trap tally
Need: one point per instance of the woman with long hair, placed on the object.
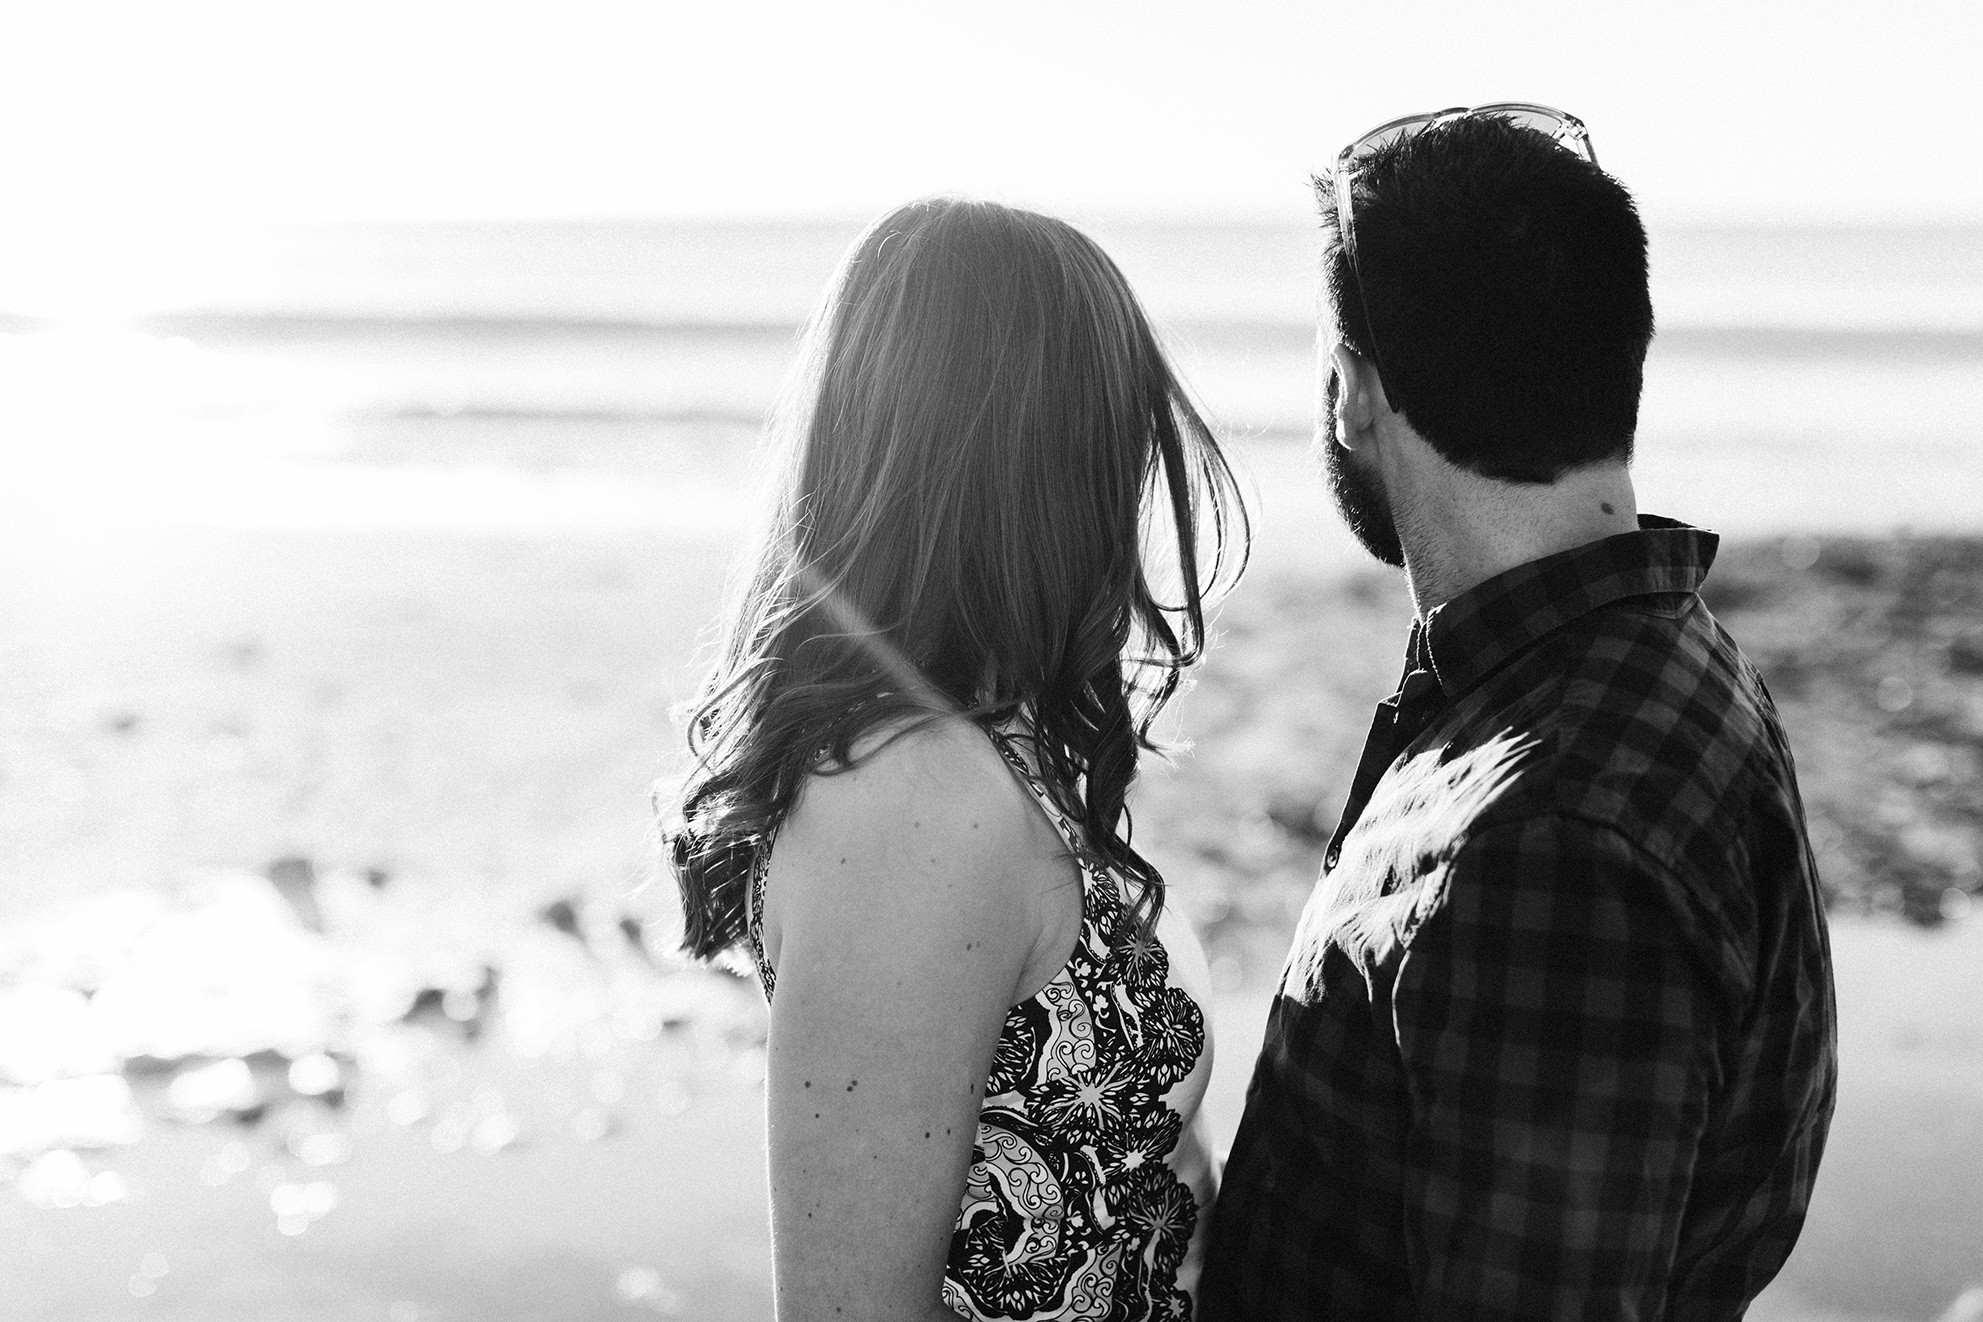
(985, 570)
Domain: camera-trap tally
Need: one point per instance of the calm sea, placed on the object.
(565, 375)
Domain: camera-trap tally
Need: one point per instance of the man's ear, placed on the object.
(1359, 396)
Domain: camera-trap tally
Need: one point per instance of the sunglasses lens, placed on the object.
(1562, 130)
(1565, 133)
(1378, 139)
(1383, 138)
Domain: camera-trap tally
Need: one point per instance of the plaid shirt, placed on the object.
(1556, 1036)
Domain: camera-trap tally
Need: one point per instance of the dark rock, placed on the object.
(245, 654)
(1727, 593)
(1299, 818)
(563, 915)
(146, 1067)
(1849, 560)
(295, 879)
(426, 1005)
(1966, 655)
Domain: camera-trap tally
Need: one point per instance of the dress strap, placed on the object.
(754, 921)
(1007, 748)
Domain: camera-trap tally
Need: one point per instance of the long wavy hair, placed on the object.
(985, 461)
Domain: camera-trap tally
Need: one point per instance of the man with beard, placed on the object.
(1556, 1035)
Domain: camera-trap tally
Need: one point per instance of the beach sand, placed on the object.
(478, 717)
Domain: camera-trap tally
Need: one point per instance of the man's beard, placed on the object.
(1359, 492)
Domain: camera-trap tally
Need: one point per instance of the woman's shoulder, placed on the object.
(924, 836)
(936, 785)
(945, 769)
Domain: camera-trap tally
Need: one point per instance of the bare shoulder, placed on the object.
(928, 831)
(943, 778)
(904, 922)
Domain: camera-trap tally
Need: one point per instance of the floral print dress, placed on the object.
(1089, 1181)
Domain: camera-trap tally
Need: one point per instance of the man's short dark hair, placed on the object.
(1506, 277)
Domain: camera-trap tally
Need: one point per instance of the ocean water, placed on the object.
(533, 377)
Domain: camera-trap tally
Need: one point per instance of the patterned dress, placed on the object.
(1074, 1206)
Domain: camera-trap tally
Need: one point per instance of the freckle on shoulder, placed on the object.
(942, 782)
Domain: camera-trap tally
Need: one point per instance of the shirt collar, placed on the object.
(1465, 639)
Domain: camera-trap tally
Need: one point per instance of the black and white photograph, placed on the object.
(789, 662)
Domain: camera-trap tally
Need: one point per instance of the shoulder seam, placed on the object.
(1727, 965)
(1529, 815)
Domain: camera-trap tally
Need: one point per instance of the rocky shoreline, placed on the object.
(1872, 649)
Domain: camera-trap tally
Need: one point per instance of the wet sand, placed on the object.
(667, 1218)
(675, 1204)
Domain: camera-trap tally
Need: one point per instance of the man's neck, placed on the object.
(1462, 529)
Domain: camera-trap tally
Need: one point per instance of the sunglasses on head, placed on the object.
(1562, 128)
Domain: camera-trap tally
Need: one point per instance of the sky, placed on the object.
(170, 111)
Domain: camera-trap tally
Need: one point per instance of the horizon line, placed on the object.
(1775, 338)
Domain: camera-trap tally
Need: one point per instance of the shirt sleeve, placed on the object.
(1558, 1035)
